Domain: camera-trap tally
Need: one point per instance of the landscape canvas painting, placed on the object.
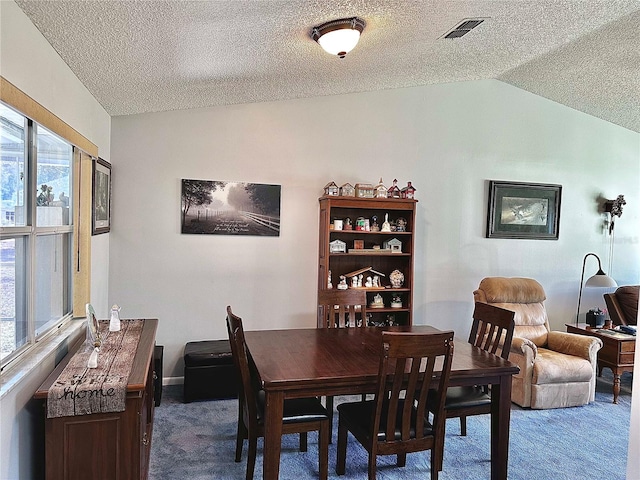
(230, 208)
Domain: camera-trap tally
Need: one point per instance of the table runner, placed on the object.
(79, 390)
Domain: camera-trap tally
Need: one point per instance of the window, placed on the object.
(36, 245)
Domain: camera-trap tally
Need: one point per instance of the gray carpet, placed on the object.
(197, 441)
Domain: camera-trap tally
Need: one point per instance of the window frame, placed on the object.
(83, 153)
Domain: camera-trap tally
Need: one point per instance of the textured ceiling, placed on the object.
(148, 56)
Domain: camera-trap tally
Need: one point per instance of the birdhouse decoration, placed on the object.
(408, 191)
(337, 246)
(394, 245)
(331, 189)
(380, 191)
(347, 190)
(364, 190)
(393, 191)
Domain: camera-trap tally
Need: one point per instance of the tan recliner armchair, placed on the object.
(557, 369)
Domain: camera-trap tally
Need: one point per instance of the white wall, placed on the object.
(31, 64)
(449, 140)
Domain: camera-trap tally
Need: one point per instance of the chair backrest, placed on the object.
(407, 365)
(492, 329)
(241, 360)
(342, 308)
(623, 305)
(525, 297)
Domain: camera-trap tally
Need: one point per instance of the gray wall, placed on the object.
(449, 140)
(32, 65)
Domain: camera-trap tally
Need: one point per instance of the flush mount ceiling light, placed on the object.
(338, 37)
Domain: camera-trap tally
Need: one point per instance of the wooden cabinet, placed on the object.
(105, 446)
(381, 260)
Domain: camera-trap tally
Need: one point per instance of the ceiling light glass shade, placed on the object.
(338, 37)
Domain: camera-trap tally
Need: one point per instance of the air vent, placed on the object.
(464, 27)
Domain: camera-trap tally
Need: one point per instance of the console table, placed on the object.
(617, 352)
(105, 446)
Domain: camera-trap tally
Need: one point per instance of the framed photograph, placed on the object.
(101, 206)
(523, 210)
(215, 207)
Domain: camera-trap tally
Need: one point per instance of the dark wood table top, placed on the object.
(348, 357)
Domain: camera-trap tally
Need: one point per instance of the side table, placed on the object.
(617, 352)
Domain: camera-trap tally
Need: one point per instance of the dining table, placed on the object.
(315, 362)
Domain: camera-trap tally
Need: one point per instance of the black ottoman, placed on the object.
(209, 372)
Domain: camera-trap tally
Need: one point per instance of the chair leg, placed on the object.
(240, 436)
(328, 403)
(437, 453)
(401, 459)
(323, 451)
(251, 460)
(372, 465)
(463, 426)
(303, 441)
(436, 457)
(341, 449)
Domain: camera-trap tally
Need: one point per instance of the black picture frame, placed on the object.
(523, 210)
(101, 197)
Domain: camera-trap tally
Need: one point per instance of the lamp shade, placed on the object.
(602, 280)
(338, 37)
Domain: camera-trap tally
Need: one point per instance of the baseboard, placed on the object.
(172, 380)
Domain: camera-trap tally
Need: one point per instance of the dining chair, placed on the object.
(388, 425)
(300, 415)
(340, 309)
(492, 331)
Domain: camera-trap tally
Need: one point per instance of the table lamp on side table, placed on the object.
(600, 279)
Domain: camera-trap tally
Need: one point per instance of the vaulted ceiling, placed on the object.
(149, 56)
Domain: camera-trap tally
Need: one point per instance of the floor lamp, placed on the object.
(600, 279)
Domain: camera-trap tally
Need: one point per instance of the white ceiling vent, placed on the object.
(464, 27)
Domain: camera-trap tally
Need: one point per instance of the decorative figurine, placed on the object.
(364, 190)
(347, 224)
(393, 191)
(374, 224)
(343, 283)
(376, 281)
(396, 301)
(347, 190)
(331, 189)
(369, 282)
(401, 225)
(386, 226)
(380, 191)
(114, 323)
(394, 245)
(377, 302)
(329, 284)
(360, 280)
(396, 278)
(408, 191)
(354, 281)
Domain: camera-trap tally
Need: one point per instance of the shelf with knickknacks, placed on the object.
(377, 238)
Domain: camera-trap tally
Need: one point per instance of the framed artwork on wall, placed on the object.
(101, 203)
(214, 207)
(523, 210)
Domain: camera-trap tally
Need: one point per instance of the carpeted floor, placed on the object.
(197, 441)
